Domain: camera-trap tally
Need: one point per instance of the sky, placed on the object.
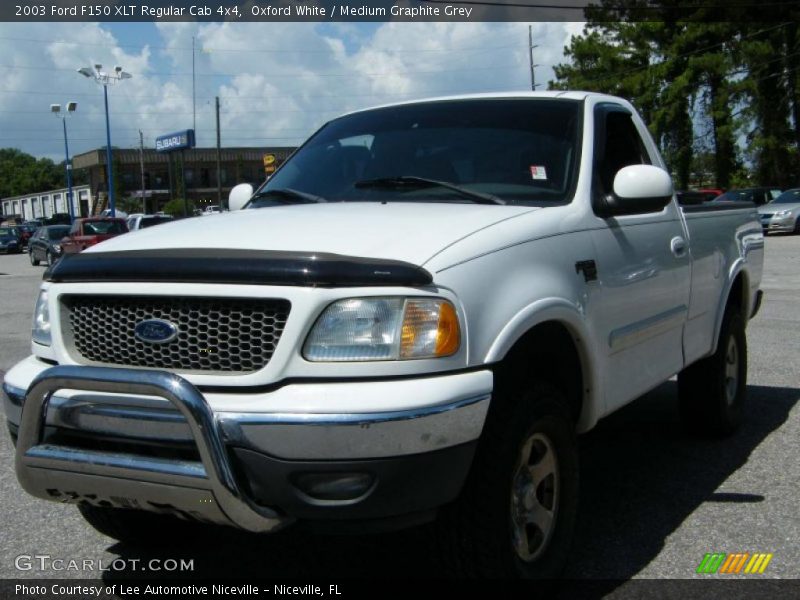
(277, 82)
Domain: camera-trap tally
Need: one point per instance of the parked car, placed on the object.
(143, 221)
(782, 214)
(45, 245)
(211, 210)
(58, 219)
(10, 242)
(118, 214)
(417, 324)
(756, 195)
(711, 193)
(85, 233)
(691, 197)
(10, 220)
(27, 229)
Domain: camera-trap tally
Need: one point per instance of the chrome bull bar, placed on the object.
(206, 490)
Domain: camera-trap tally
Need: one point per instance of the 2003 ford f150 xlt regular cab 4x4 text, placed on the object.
(414, 317)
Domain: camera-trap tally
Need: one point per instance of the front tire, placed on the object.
(51, 260)
(712, 391)
(516, 515)
(34, 260)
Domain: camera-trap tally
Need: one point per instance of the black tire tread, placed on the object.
(701, 385)
(468, 530)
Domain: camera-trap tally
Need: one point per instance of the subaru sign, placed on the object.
(179, 140)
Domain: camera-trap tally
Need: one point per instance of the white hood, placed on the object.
(411, 232)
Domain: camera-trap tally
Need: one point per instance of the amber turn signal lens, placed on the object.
(447, 335)
(429, 330)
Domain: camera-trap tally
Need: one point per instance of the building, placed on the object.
(165, 179)
(43, 205)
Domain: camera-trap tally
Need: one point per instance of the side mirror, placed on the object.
(638, 189)
(239, 196)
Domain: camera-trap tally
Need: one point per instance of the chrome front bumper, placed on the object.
(155, 407)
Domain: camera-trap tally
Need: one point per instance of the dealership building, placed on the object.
(165, 176)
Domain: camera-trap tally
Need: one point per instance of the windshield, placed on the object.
(736, 196)
(8, 231)
(788, 197)
(56, 233)
(520, 150)
(104, 227)
(150, 221)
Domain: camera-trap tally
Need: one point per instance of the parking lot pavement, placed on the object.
(653, 501)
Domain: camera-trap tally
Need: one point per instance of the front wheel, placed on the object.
(51, 260)
(712, 391)
(32, 257)
(517, 512)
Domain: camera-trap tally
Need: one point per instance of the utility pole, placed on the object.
(531, 46)
(141, 169)
(194, 95)
(219, 159)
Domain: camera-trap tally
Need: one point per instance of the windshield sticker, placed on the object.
(538, 172)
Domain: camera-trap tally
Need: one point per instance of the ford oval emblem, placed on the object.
(155, 331)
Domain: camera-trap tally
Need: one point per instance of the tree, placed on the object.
(21, 173)
(175, 207)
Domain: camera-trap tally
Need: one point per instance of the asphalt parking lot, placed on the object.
(653, 500)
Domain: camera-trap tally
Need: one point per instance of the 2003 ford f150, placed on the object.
(412, 318)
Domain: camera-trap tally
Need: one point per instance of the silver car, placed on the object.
(782, 214)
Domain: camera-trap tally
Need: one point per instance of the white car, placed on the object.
(211, 210)
(782, 214)
(414, 318)
(141, 221)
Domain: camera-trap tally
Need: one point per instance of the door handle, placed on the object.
(678, 246)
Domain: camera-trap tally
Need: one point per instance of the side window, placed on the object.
(75, 229)
(619, 146)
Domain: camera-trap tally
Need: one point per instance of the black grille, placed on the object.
(214, 334)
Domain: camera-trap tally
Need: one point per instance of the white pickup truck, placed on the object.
(413, 318)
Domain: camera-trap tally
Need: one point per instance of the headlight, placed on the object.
(783, 213)
(362, 329)
(41, 320)
(57, 247)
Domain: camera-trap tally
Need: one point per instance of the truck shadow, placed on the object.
(642, 476)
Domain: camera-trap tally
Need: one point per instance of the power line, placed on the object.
(258, 50)
(283, 75)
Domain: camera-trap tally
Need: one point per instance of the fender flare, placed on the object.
(569, 315)
(737, 268)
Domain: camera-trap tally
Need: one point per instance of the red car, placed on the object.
(91, 231)
(712, 192)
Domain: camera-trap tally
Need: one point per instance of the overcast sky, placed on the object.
(277, 82)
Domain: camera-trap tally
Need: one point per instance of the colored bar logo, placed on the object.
(734, 564)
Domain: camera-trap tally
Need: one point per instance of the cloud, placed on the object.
(277, 82)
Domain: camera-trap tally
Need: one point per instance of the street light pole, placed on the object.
(109, 158)
(105, 79)
(71, 210)
(56, 110)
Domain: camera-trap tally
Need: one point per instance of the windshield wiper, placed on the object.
(414, 181)
(289, 193)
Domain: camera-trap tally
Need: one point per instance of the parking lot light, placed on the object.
(105, 79)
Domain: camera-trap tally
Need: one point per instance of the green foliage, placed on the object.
(175, 207)
(22, 173)
(129, 204)
(724, 91)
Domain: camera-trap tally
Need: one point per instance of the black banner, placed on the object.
(398, 10)
(75, 589)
